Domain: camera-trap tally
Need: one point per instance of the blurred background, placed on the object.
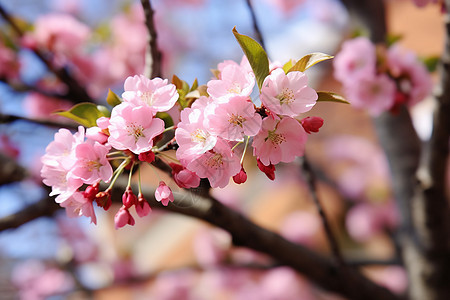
(169, 256)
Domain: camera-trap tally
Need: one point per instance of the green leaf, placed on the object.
(194, 85)
(166, 118)
(113, 99)
(104, 111)
(392, 39)
(84, 113)
(287, 66)
(309, 60)
(431, 63)
(331, 97)
(256, 55)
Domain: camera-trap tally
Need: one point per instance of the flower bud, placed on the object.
(183, 177)
(312, 124)
(163, 194)
(268, 170)
(128, 198)
(147, 157)
(103, 199)
(122, 218)
(240, 177)
(142, 206)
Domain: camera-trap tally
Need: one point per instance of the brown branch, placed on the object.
(10, 170)
(256, 29)
(311, 182)
(76, 93)
(152, 55)
(4, 119)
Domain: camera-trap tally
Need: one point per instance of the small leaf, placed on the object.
(168, 121)
(331, 97)
(177, 82)
(392, 39)
(194, 85)
(287, 66)
(431, 63)
(308, 61)
(256, 56)
(104, 111)
(113, 99)
(84, 113)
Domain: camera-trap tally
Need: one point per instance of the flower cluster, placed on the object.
(212, 134)
(380, 79)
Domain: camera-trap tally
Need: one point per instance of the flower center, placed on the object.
(236, 120)
(136, 130)
(235, 88)
(214, 161)
(147, 97)
(199, 136)
(276, 138)
(286, 96)
(92, 165)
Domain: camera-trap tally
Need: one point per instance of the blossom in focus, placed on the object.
(279, 140)
(92, 164)
(235, 119)
(183, 177)
(287, 94)
(78, 205)
(218, 164)
(156, 93)
(234, 81)
(133, 128)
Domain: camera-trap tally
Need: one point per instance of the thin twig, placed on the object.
(258, 34)
(153, 56)
(311, 181)
(4, 118)
(76, 92)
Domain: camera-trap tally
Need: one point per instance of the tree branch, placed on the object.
(152, 55)
(4, 119)
(256, 29)
(76, 93)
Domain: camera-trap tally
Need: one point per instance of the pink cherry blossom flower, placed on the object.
(287, 94)
(60, 150)
(279, 141)
(356, 60)
(133, 128)
(415, 80)
(192, 136)
(244, 64)
(376, 95)
(56, 176)
(163, 193)
(78, 205)
(96, 134)
(235, 119)
(234, 80)
(92, 164)
(157, 93)
(183, 177)
(123, 217)
(218, 164)
(60, 33)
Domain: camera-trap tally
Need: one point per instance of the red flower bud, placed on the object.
(128, 198)
(312, 124)
(147, 157)
(268, 170)
(240, 177)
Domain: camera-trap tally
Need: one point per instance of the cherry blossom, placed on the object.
(156, 93)
(218, 164)
(234, 80)
(92, 165)
(183, 177)
(279, 141)
(235, 119)
(376, 94)
(287, 94)
(123, 217)
(78, 205)
(193, 137)
(132, 127)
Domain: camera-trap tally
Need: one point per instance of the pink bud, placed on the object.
(147, 157)
(96, 133)
(128, 198)
(240, 177)
(183, 177)
(268, 170)
(123, 217)
(142, 207)
(163, 194)
(103, 122)
(103, 199)
(91, 191)
(312, 124)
